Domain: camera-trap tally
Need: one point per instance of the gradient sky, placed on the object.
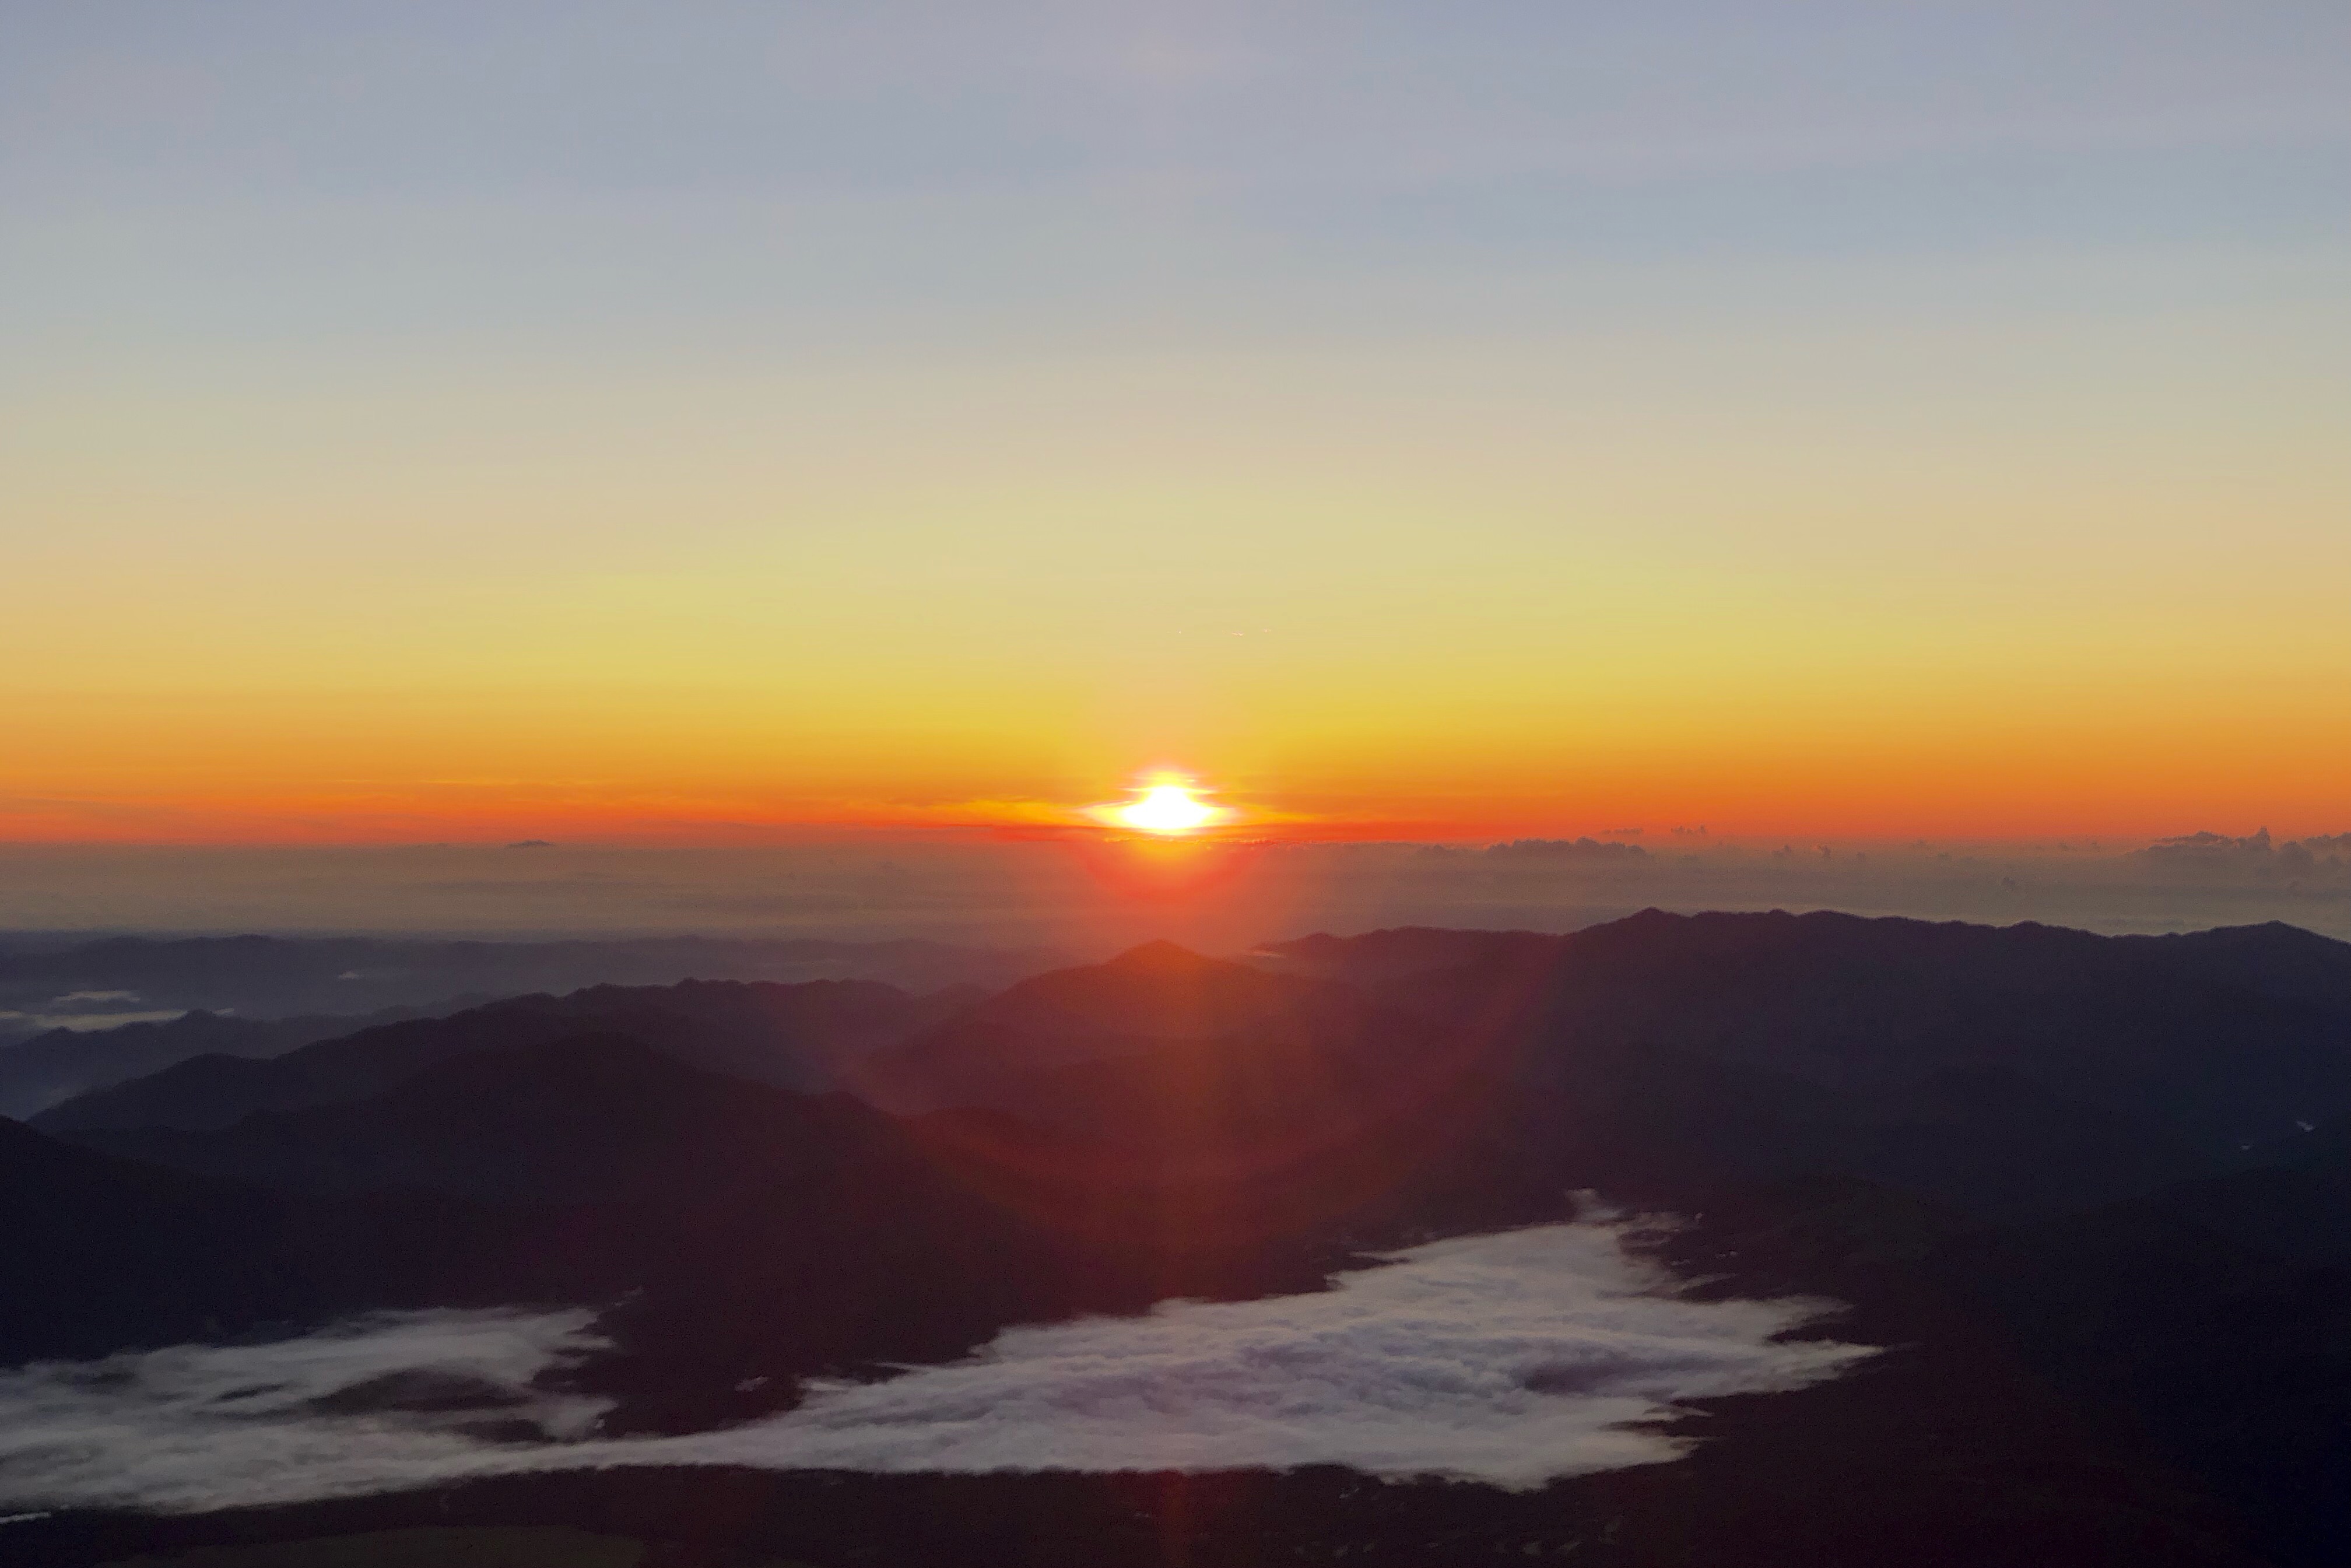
(445, 420)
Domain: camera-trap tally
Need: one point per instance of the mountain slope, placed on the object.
(798, 1036)
(2012, 1151)
(2216, 1316)
(48, 1069)
(1144, 997)
(104, 1253)
(2207, 1042)
(758, 1235)
(2010, 1074)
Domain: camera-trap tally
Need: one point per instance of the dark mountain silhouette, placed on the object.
(1664, 1125)
(755, 1235)
(2009, 1072)
(2211, 1042)
(1152, 994)
(2019, 1154)
(104, 1253)
(576, 1120)
(1318, 1124)
(798, 1036)
(43, 1071)
(2215, 1315)
(760, 1235)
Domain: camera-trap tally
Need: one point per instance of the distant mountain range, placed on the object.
(265, 995)
(792, 1036)
(40, 1071)
(276, 977)
(2093, 1180)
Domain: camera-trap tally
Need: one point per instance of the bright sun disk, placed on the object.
(1166, 809)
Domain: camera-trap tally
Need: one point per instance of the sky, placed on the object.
(707, 422)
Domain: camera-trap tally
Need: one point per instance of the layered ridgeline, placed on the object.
(80, 1015)
(1743, 1044)
(61, 1064)
(792, 1036)
(2072, 1177)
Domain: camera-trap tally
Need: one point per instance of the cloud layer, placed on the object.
(1509, 1359)
(1069, 896)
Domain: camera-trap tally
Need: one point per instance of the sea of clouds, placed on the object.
(1076, 897)
(1508, 1358)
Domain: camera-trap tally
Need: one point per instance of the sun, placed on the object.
(1164, 804)
(1166, 809)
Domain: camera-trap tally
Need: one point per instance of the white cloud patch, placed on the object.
(377, 1403)
(1509, 1359)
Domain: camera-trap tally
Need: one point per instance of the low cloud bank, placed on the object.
(1509, 1359)
(1089, 900)
(377, 1403)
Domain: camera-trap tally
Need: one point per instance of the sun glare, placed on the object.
(1166, 809)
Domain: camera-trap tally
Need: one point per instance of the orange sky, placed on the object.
(1915, 437)
(252, 699)
(625, 775)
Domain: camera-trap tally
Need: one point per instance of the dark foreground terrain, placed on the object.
(2092, 1194)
